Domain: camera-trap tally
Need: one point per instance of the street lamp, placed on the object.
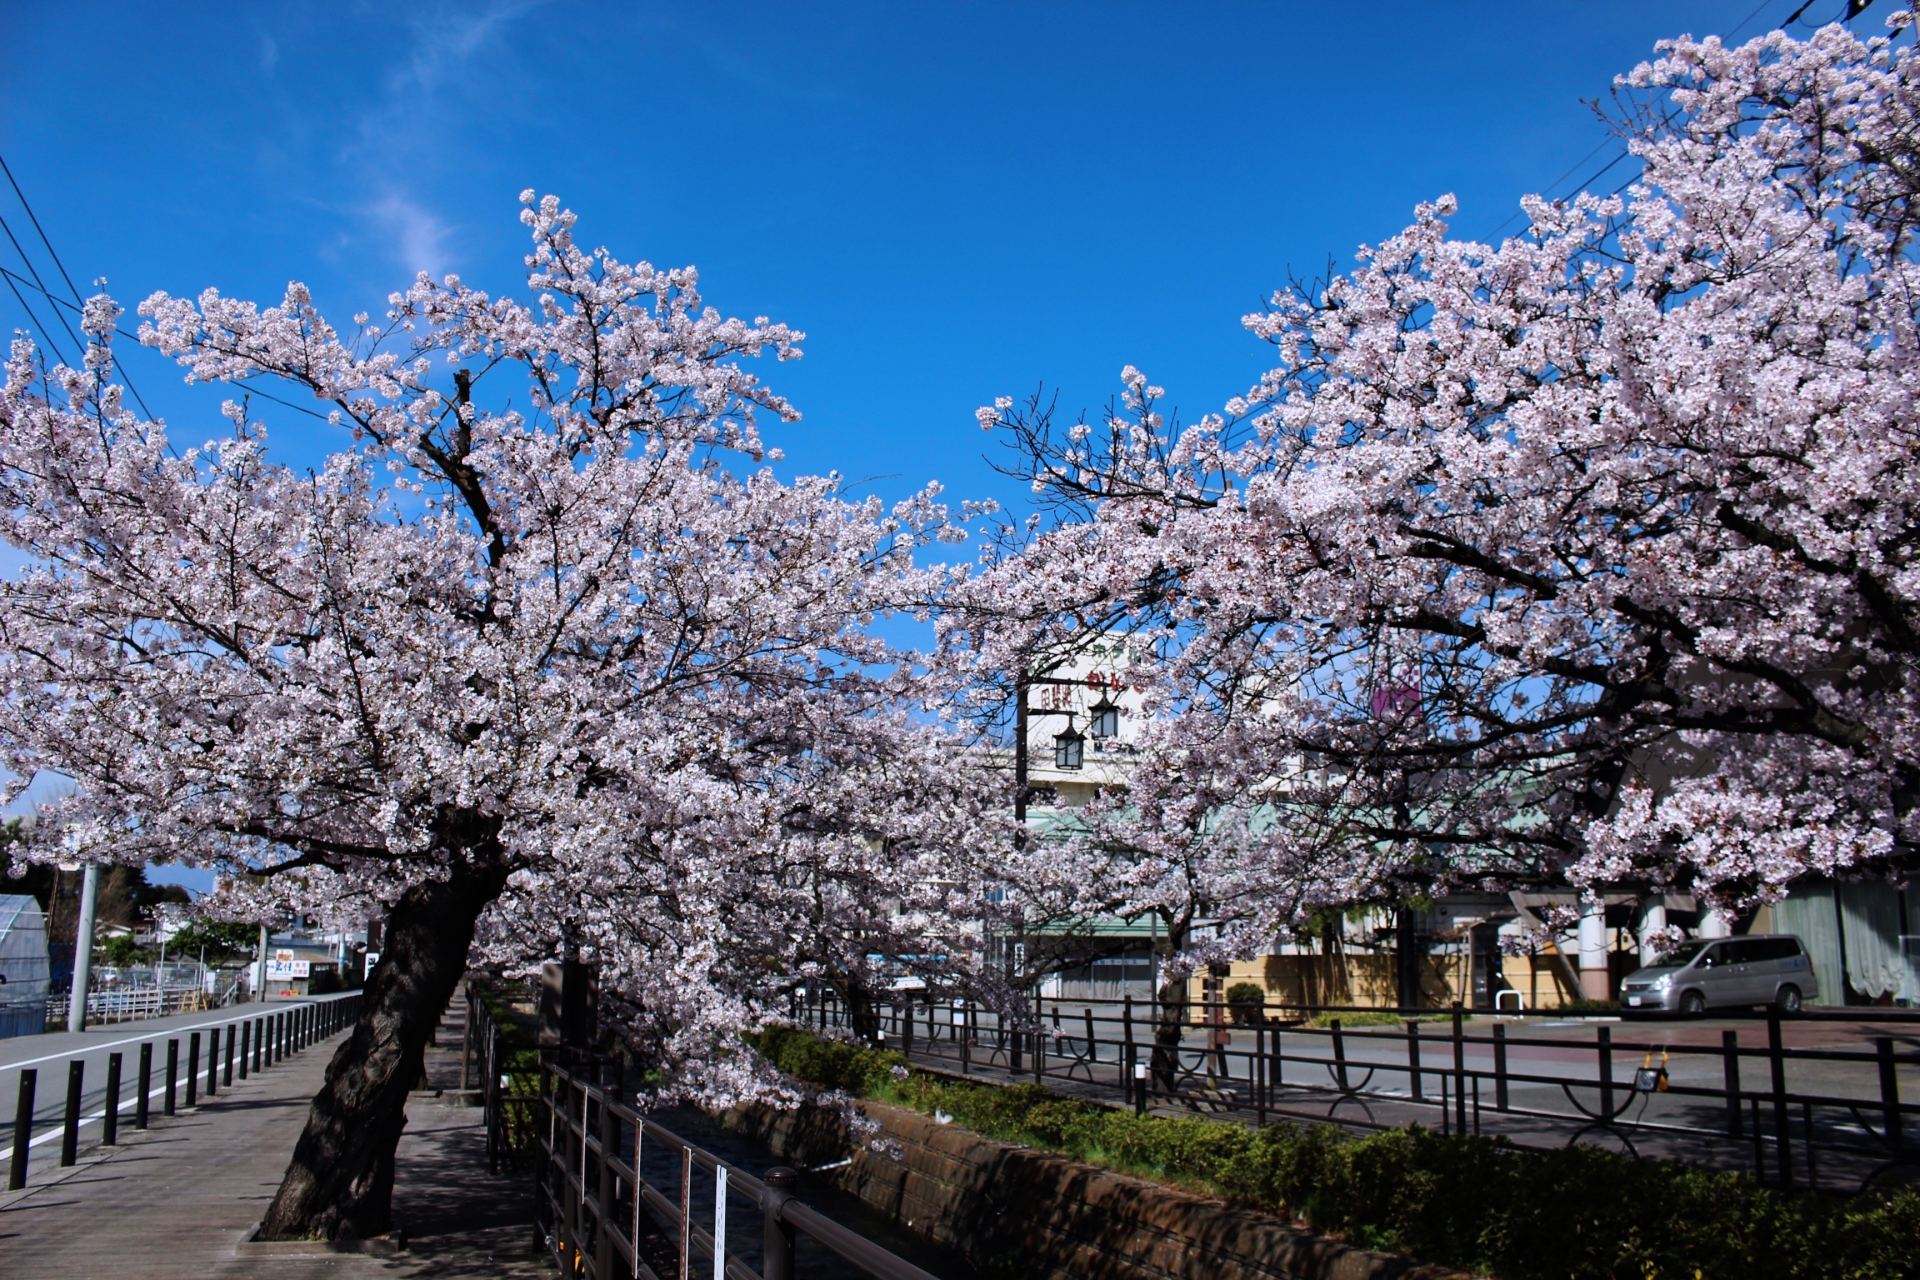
(1069, 748)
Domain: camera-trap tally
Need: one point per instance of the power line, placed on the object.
(38, 284)
(32, 318)
(1582, 185)
(37, 227)
(78, 302)
(14, 278)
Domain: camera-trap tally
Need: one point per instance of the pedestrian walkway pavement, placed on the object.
(177, 1200)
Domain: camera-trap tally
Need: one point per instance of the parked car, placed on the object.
(1724, 973)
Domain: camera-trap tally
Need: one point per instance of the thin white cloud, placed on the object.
(418, 236)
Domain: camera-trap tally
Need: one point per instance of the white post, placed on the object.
(1713, 925)
(1653, 918)
(1593, 949)
(260, 966)
(720, 1225)
(83, 950)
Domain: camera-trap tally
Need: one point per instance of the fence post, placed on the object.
(193, 1068)
(227, 1074)
(1603, 1045)
(1139, 1088)
(110, 1110)
(777, 1236)
(1257, 1071)
(466, 1047)
(143, 1102)
(1413, 1059)
(246, 1044)
(1500, 1066)
(173, 1075)
(22, 1130)
(1459, 1073)
(1339, 1055)
(1730, 1064)
(1783, 1139)
(906, 1026)
(609, 1143)
(965, 1028)
(213, 1062)
(1890, 1094)
(70, 1126)
(1126, 1033)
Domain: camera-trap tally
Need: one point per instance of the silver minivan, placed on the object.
(1723, 972)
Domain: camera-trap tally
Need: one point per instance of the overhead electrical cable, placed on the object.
(79, 303)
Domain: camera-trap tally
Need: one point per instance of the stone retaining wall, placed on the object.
(1014, 1211)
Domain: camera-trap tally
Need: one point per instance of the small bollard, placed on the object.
(110, 1110)
(259, 1034)
(246, 1045)
(173, 1076)
(778, 1240)
(143, 1100)
(193, 1068)
(22, 1130)
(1139, 1088)
(70, 1124)
(227, 1075)
(213, 1061)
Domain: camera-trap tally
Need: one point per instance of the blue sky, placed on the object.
(955, 202)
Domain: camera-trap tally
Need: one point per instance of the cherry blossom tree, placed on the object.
(1590, 555)
(523, 657)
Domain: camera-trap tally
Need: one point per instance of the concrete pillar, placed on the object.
(1594, 980)
(260, 966)
(1653, 918)
(83, 950)
(1713, 925)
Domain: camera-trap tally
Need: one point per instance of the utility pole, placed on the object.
(83, 950)
(260, 966)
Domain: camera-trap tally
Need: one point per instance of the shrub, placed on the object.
(1245, 1000)
(831, 1063)
(1476, 1203)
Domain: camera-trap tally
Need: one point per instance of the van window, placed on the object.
(1774, 948)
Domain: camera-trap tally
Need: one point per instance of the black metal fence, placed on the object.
(1844, 1123)
(242, 1046)
(596, 1211)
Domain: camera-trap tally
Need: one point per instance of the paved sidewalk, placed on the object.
(176, 1200)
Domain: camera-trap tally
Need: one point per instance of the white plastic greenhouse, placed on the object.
(24, 971)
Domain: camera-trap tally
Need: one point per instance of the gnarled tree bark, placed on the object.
(339, 1185)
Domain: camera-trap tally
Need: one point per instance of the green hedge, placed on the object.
(1480, 1204)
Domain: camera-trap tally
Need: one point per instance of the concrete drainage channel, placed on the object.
(819, 1187)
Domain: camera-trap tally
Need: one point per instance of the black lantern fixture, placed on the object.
(1106, 719)
(1069, 748)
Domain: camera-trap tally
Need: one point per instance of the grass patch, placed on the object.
(1479, 1204)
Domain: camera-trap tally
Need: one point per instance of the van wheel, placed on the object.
(1788, 1001)
(1692, 1004)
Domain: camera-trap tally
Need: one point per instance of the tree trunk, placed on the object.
(862, 1013)
(1170, 1014)
(340, 1183)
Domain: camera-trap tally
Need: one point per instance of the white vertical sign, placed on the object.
(720, 1226)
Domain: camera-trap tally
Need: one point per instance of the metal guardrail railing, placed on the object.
(132, 1004)
(594, 1206)
(1272, 1061)
(250, 1043)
